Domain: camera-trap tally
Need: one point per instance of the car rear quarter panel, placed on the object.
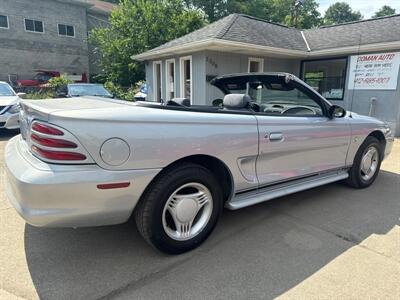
(159, 137)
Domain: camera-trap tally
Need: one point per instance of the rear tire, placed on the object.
(180, 209)
(366, 165)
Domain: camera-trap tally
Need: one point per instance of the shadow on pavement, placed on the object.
(258, 252)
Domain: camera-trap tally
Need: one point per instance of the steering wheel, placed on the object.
(299, 111)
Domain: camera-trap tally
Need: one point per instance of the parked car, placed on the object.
(83, 89)
(142, 94)
(42, 77)
(86, 162)
(9, 107)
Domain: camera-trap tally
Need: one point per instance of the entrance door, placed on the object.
(170, 83)
(157, 81)
(186, 77)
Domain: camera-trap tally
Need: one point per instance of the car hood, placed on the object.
(8, 100)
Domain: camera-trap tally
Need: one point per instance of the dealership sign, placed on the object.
(377, 71)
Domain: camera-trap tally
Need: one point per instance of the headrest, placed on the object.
(236, 101)
(181, 101)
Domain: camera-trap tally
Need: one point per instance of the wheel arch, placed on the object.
(213, 164)
(380, 137)
(216, 166)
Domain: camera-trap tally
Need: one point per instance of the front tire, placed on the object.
(180, 209)
(367, 163)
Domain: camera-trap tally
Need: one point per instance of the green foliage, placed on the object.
(49, 90)
(307, 15)
(293, 14)
(341, 12)
(385, 10)
(43, 93)
(263, 9)
(137, 26)
(279, 11)
(213, 9)
(123, 93)
(57, 82)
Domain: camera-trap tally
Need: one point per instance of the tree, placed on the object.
(213, 9)
(217, 9)
(257, 8)
(385, 10)
(303, 14)
(296, 13)
(341, 12)
(137, 26)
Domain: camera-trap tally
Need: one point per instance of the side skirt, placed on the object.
(278, 190)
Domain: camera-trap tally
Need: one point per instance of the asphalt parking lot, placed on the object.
(331, 242)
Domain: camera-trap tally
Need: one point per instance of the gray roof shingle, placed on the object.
(380, 30)
(256, 31)
(242, 28)
(213, 30)
(251, 30)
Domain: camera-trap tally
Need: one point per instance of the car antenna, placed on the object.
(355, 75)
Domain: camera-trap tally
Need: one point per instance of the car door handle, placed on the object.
(274, 137)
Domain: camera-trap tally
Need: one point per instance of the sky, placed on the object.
(366, 7)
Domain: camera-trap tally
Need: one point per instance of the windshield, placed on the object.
(42, 77)
(270, 94)
(5, 90)
(264, 93)
(76, 90)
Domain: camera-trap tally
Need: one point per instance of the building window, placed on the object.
(34, 26)
(256, 65)
(186, 77)
(66, 30)
(326, 76)
(170, 72)
(3, 21)
(157, 81)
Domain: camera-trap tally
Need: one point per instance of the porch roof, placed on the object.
(101, 7)
(245, 34)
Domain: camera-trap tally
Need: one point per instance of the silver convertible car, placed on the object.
(92, 161)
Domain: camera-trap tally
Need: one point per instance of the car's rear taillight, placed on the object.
(46, 129)
(57, 155)
(53, 143)
(47, 144)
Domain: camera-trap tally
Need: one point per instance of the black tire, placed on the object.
(149, 211)
(356, 179)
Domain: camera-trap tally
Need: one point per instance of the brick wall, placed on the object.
(22, 52)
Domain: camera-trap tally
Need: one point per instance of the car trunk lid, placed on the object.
(50, 110)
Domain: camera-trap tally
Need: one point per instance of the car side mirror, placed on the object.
(336, 111)
(21, 95)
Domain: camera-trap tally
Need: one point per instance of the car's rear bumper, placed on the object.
(9, 121)
(67, 195)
